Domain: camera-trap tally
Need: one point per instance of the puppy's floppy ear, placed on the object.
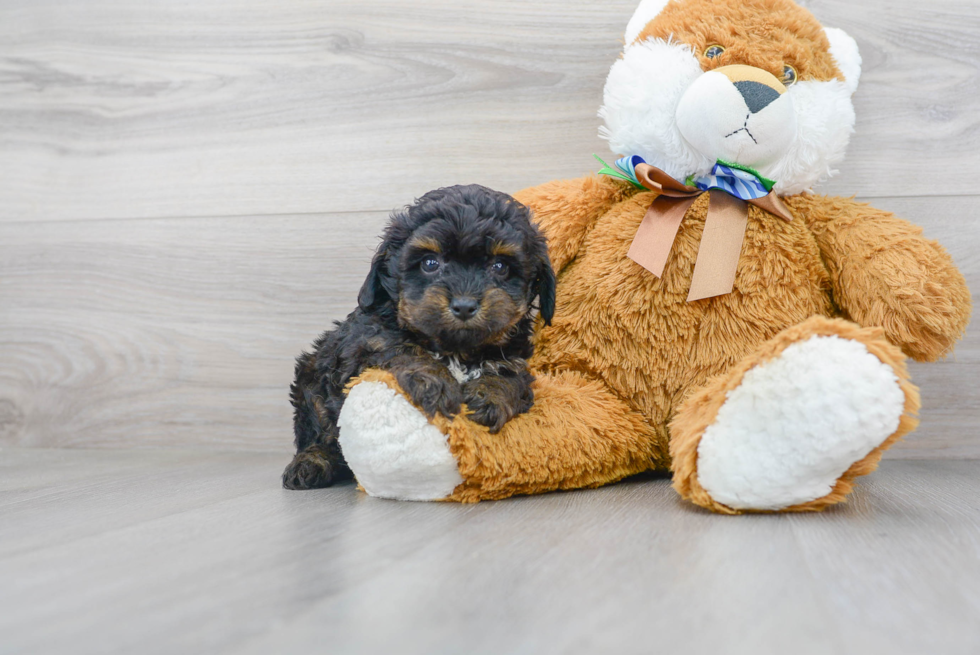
(373, 291)
(545, 284)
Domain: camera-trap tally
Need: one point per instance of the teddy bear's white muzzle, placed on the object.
(742, 122)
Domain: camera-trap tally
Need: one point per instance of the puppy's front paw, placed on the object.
(313, 469)
(485, 412)
(494, 400)
(433, 388)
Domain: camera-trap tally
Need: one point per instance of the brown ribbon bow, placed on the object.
(721, 242)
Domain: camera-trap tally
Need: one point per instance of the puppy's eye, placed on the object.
(430, 265)
(789, 75)
(499, 268)
(713, 51)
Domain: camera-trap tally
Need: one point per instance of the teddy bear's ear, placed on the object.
(646, 12)
(844, 50)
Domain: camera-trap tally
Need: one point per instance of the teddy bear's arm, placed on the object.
(566, 210)
(885, 273)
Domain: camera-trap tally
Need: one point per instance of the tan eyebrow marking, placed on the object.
(501, 249)
(426, 243)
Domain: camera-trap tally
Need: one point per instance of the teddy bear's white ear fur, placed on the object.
(645, 13)
(844, 50)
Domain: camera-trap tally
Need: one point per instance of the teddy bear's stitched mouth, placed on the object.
(744, 128)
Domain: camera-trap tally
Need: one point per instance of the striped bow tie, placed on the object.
(730, 188)
(735, 180)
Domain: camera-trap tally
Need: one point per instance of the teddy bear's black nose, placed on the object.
(757, 95)
(464, 308)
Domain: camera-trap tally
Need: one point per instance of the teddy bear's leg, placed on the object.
(791, 426)
(577, 434)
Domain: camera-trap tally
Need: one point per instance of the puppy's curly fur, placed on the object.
(446, 307)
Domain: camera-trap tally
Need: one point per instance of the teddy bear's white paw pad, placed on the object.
(392, 448)
(796, 423)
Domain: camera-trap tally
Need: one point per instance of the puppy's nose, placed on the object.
(464, 308)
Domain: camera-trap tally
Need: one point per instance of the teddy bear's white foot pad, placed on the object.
(796, 423)
(392, 448)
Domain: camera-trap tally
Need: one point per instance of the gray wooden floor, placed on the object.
(179, 552)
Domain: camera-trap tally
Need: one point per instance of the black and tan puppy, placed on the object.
(447, 308)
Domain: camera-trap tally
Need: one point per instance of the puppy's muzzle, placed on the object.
(464, 307)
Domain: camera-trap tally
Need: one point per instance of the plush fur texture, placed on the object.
(684, 122)
(631, 376)
(645, 12)
(883, 272)
(794, 424)
(700, 411)
(766, 34)
(447, 307)
(577, 434)
(396, 452)
(845, 52)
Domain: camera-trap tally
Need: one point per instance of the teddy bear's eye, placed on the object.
(713, 51)
(789, 75)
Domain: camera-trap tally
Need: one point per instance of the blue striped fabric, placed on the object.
(628, 164)
(740, 184)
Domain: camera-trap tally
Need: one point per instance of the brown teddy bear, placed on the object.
(714, 317)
